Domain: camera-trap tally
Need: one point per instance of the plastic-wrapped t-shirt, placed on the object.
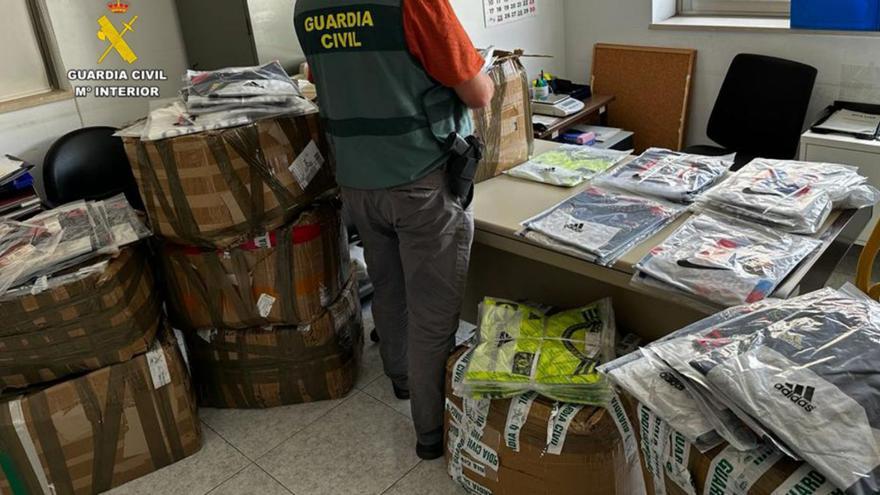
(22, 247)
(811, 378)
(794, 196)
(605, 223)
(241, 82)
(568, 166)
(726, 261)
(668, 174)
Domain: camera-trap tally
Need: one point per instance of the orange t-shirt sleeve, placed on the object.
(437, 39)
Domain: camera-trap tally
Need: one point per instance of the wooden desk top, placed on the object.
(501, 204)
(593, 105)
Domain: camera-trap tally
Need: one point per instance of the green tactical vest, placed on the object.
(384, 115)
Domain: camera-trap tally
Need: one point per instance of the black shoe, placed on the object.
(429, 452)
(400, 393)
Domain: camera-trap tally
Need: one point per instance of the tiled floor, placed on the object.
(362, 444)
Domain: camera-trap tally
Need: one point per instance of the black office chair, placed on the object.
(88, 164)
(760, 109)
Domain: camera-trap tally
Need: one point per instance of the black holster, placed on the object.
(465, 157)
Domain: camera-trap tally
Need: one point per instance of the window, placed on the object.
(25, 63)
(748, 8)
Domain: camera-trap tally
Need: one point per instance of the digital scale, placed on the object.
(557, 105)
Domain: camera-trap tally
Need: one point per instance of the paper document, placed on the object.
(544, 119)
(850, 121)
(8, 166)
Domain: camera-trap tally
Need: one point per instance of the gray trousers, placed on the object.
(417, 243)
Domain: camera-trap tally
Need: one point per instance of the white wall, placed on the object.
(157, 42)
(543, 34)
(626, 21)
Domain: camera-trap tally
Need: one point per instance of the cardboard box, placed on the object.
(683, 470)
(592, 458)
(92, 433)
(81, 322)
(269, 367)
(219, 188)
(506, 124)
(286, 277)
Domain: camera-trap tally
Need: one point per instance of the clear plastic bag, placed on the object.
(811, 378)
(122, 220)
(794, 196)
(568, 166)
(604, 223)
(726, 261)
(521, 349)
(24, 246)
(241, 82)
(668, 174)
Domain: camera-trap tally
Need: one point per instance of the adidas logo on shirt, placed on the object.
(799, 394)
(575, 226)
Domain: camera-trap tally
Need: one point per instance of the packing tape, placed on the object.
(615, 408)
(650, 427)
(27, 444)
(677, 463)
(557, 427)
(734, 472)
(477, 413)
(459, 370)
(807, 480)
(480, 451)
(474, 487)
(517, 416)
(474, 466)
(456, 413)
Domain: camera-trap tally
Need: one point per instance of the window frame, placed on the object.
(734, 8)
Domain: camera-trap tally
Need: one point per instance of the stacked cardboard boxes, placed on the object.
(530, 445)
(255, 260)
(93, 392)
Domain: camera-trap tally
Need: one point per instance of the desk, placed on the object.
(597, 104)
(505, 265)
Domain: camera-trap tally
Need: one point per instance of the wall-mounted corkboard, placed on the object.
(652, 87)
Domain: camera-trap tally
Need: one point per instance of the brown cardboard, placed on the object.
(269, 367)
(284, 278)
(505, 126)
(219, 188)
(79, 326)
(798, 477)
(592, 459)
(92, 433)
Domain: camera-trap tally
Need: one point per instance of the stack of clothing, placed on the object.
(601, 225)
(795, 377)
(568, 166)
(524, 348)
(222, 99)
(668, 174)
(64, 237)
(723, 260)
(796, 197)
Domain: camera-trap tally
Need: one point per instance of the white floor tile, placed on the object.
(195, 475)
(251, 481)
(381, 390)
(428, 478)
(255, 432)
(361, 447)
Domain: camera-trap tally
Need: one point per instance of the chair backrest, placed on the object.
(651, 86)
(88, 164)
(762, 105)
(866, 265)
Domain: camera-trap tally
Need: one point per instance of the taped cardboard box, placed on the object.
(673, 466)
(219, 188)
(506, 124)
(97, 315)
(530, 445)
(286, 277)
(269, 367)
(92, 433)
